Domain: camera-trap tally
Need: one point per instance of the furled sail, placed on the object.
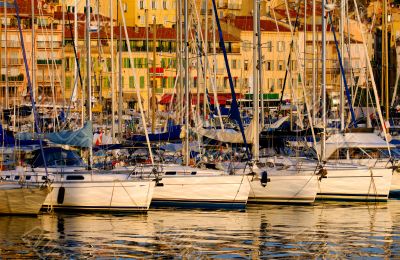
(227, 135)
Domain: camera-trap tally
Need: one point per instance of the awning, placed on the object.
(222, 98)
(166, 99)
(129, 96)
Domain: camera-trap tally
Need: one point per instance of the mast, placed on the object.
(33, 53)
(198, 74)
(6, 58)
(314, 57)
(181, 83)
(88, 73)
(255, 83)
(76, 61)
(341, 31)
(187, 104)
(260, 62)
(112, 83)
(323, 81)
(99, 62)
(385, 56)
(153, 89)
(63, 54)
(146, 14)
(206, 65)
(120, 87)
(215, 66)
(178, 61)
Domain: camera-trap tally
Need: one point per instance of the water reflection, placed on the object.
(325, 230)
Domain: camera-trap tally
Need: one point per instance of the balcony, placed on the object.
(17, 78)
(11, 44)
(48, 44)
(12, 62)
(45, 62)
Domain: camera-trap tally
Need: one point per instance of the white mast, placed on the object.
(323, 80)
(255, 84)
(33, 54)
(206, 65)
(314, 57)
(6, 61)
(112, 83)
(146, 14)
(88, 73)
(260, 62)
(120, 87)
(187, 104)
(63, 54)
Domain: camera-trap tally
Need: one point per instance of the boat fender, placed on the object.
(61, 195)
(264, 178)
(158, 178)
(322, 173)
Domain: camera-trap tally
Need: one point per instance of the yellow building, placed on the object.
(46, 65)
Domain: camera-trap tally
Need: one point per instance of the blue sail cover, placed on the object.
(173, 132)
(7, 139)
(81, 138)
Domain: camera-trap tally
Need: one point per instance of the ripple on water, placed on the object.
(325, 230)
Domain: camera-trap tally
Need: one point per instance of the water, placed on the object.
(325, 230)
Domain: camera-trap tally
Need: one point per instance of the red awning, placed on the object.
(222, 98)
(166, 99)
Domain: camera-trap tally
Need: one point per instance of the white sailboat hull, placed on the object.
(18, 200)
(292, 189)
(356, 184)
(102, 196)
(92, 191)
(284, 186)
(185, 186)
(225, 191)
(395, 186)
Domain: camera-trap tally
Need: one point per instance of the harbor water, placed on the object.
(323, 230)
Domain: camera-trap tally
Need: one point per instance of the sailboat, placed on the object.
(186, 186)
(16, 195)
(344, 177)
(272, 185)
(73, 186)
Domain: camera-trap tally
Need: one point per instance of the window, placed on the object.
(141, 4)
(163, 82)
(67, 82)
(268, 45)
(164, 4)
(234, 64)
(294, 65)
(164, 62)
(246, 65)
(67, 64)
(141, 81)
(269, 65)
(281, 46)
(246, 45)
(195, 82)
(131, 82)
(225, 82)
(126, 63)
(153, 5)
(107, 82)
(271, 85)
(280, 83)
(281, 65)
